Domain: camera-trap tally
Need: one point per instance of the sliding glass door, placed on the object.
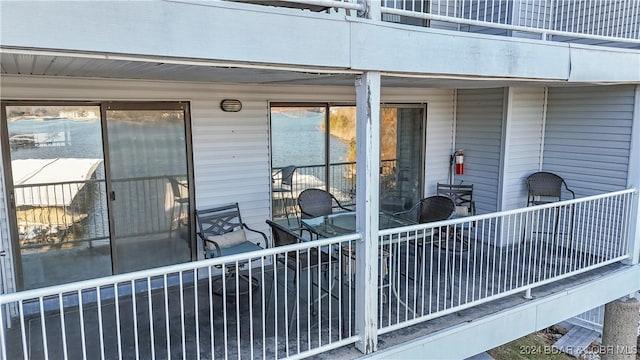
(96, 189)
(149, 182)
(57, 193)
(321, 141)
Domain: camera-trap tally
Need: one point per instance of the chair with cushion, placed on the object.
(283, 184)
(462, 196)
(301, 260)
(223, 233)
(544, 188)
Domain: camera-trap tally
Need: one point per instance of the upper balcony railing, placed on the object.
(597, 22)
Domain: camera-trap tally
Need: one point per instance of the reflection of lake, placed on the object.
(300, 141)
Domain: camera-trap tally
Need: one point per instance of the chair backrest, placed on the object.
(175, 187)
(219, 220)
(315, 202)
(545, 184)
(287, 175)
(436, 208)
(283, 236)
(462, 195)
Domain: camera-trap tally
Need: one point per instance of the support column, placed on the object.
(367, 203)
(620, 332)
(633, 181)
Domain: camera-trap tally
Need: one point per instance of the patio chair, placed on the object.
(462, 196)
(299, 261)
(432, 209)
(317, 202)
(284, 185)
(181, 202)
(223, 233)
(544, 188)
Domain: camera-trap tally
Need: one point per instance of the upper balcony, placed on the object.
(604, 23)
(525, 40)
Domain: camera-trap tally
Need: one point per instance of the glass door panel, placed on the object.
(59, 193)
(401, 144)
(149, 187)
(298, 139)
(342, 153)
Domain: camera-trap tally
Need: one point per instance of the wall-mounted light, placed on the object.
(230, 105)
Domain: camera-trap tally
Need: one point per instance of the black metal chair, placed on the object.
(462, 196)
(317, 202)
(299, 261)
(222, 232)
(181, 201)
(284, 180)
(432, 209)
(544, 188)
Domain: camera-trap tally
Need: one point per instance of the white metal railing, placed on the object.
(601, 20)
(192, 310)
(608, 20)
(443, 267)
(305, 302)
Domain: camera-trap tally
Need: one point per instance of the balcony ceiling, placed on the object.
(119, 67)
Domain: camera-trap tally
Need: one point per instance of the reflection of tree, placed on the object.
(342, 125)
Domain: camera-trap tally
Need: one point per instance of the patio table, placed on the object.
(345, 223)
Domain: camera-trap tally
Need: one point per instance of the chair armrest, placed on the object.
(573, 195)
(264, 236)
(218, 252)
(409, 211)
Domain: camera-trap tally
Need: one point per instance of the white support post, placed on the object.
(367, 203)
(633, 181)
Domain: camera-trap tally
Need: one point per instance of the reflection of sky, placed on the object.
(300, 141)
(136, 148)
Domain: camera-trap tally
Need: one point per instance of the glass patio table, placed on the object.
(345, 223)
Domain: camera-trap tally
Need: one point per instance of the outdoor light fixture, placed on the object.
(230, 105)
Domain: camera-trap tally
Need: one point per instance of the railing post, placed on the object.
(367, 203)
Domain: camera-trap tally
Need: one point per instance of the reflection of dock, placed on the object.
(50, 195)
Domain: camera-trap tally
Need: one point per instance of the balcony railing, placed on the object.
(67, 214)
(601, 21)
(425, 271)
(342, 182)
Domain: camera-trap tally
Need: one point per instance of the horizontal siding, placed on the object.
(524, 144)
(231, 152)
(588, 137)
(479, 133)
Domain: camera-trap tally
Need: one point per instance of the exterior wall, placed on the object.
(231, 150)
(525, 138)
(588, 137)
(479, 134)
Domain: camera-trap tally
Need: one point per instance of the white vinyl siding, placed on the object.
(522, 155)
(588, 142)
(479, 134)
(231, 151)
(588, 137)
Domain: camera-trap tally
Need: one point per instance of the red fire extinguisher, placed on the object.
(459, 160)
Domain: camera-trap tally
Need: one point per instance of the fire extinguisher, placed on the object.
(459, 161)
